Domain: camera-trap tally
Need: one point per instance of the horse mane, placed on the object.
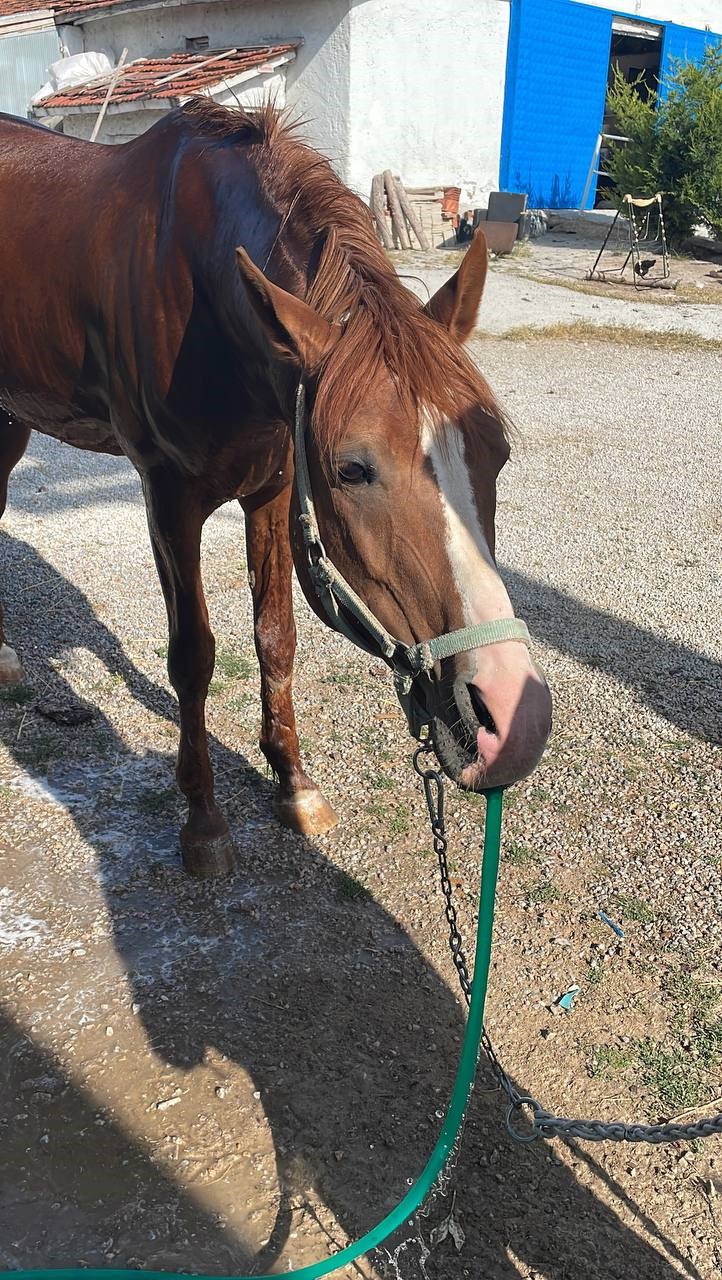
(353, 281)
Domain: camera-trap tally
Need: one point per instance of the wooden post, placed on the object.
(379, 212)
(410, 215)
(109, 94)
(397, 217)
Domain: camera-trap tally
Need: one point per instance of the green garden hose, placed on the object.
(453, 1121)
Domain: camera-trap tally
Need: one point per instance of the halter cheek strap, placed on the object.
(409, 663)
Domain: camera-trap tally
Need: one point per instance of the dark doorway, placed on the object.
(636, 51)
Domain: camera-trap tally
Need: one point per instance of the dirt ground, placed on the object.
(242, 1076)
(568, 252)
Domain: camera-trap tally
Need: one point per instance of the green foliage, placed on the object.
(18, 694)
(675, 145)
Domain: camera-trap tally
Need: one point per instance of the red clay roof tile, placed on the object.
(140, 79)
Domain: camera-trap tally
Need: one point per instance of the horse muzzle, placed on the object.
(494, 717)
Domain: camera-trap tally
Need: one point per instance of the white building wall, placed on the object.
(116, 128)
(687, 13)
(427, 93)
(317, 81)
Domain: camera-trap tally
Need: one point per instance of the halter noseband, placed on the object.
(411, 664)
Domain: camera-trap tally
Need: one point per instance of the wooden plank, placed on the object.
(410, 215)
(194, 66)
(397, 217)
(379, 212)
(113, 81)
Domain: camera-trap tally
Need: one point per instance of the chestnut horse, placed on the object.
(131, 323)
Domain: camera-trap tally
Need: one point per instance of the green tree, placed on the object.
(675, 145)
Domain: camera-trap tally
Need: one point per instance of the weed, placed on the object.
(233, 666)
(667, 1071)
(216, 688)
(595, 973)
(631, 908)
(347, 679)
(608, 1059)
(109, 683)
(400, 821)
(380, 782)
(520, 855)
(38, 752)
(699, 999)
(538, 798)
(543, 893)
(161, 650)
(18, 694)
(242, 701)
(352, 889)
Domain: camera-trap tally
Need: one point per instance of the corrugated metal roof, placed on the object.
(189, 72)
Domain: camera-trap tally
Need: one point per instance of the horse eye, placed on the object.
(353, 472)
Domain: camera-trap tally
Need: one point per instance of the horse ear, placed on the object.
(295, 330)
(457, 302)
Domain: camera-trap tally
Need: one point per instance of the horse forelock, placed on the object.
(349, 279)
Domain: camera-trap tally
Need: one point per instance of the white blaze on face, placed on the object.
(483, 594)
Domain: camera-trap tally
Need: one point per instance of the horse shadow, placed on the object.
(680, 684)
(347, 1033)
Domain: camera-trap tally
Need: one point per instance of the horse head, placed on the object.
(404, 445)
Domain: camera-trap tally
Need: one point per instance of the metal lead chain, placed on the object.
(434, 793)
(543, 1123)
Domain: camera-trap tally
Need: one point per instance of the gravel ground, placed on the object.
(219, 1077)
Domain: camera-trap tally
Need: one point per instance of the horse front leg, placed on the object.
(175, 521)
(13, 443)
(300, 805)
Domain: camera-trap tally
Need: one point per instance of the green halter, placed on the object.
(409, 663)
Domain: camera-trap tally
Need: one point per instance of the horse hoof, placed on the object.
(10, 670)
(207, 849)
(307, 812)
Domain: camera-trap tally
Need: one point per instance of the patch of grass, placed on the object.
(631, 908)
(232, 665)
(351, 889)
(347, 679)
(538, 798)
(595, 973)
(667, 1071)
(520, 855)
(678, 1069)
(38, 752)
(109, 683)
(400, 821)
(609, 1059)
(698, 1000)
(155, 801)
(378, 809)
(216, 688)
(161, 650)
(242, 701)
(626, 335)
(543, 893)
(17, 694)
(380, 782)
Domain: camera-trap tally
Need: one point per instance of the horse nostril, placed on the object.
(484, 716)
